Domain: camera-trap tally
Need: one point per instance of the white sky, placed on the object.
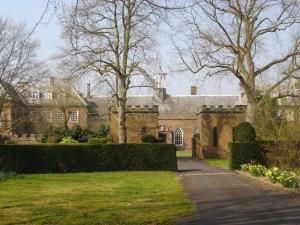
(48, 35)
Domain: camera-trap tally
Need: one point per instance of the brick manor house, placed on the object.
(177, 119)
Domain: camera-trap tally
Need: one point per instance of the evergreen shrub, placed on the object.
(244, 132)
(54, 158)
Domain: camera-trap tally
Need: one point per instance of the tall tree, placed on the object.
(249, 39)
(18, 66)
(114, 40)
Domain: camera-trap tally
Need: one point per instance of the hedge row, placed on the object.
(247, 152)
(45, 158)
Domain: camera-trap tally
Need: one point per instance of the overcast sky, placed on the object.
(48, 35)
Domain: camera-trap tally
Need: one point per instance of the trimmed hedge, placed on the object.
(244, 132)
(53, 158)
(149, 138)
(247, 152)
(107, 140)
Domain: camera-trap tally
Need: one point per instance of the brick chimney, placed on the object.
(193, 90)
(88, 90)
(51, 81)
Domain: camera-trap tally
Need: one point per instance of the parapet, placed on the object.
(221, 109)
(137, 109)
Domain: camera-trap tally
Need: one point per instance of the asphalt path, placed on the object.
(224, 197)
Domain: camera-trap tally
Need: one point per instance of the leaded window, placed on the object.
(178, 137)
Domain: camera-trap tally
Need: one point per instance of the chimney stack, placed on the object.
(51, 81)
(193, 90)
(88, 90)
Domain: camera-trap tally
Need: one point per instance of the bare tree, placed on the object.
(248, 39)
(113, 40)
(18, 66)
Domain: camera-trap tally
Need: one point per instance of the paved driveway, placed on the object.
(222, 197)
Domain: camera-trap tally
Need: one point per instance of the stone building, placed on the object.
(202, 122)
(182, 118)
(139, 121)
(35, 108)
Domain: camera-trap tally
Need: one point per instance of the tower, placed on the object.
(160, 85)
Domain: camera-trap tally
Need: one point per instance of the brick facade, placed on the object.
(216, 131)
(139, 121)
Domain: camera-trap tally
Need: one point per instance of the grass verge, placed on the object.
(93, 198)
(184, 153)
(222, 163)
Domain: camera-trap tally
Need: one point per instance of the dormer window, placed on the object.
(48, 95)
(35, 95)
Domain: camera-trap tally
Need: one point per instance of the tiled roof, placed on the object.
(187, 105)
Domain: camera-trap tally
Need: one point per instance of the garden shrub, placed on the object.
(107, 140)
(244, 132)
(287, 179)
(10, 142)
(255, 170)
(77, 133)
(7, 175)
(54, 158)
(68, 140)
(247, 152)
(149, 138)
(104, 130)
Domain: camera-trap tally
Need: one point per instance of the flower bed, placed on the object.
(287, 179)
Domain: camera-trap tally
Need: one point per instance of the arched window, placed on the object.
(143, 131)
(233, 139)
(178, 137)
(215, 137)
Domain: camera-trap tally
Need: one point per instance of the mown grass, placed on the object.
(184, 153)
(222, 163)
(93, 198)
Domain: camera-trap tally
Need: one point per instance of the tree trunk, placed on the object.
(251, 112)
(121, 112)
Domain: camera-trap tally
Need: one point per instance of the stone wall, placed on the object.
(216, 130)
(137, 119)
(42, 124)
(188, 124)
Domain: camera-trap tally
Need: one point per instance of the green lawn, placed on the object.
(93, 198)
(222, 163)
(184, 153)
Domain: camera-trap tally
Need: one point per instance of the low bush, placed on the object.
(7, 175)
(56, 134)
(248, 152)
(53, 158)
(68, 140)
(149, 138)
(255, 170)
(273, 174)
(107, 140)
(10, 142)
(287, 179)
(244, 132)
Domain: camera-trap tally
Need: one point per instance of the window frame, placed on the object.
(48, 95)
(178, 134)
(77, 117)
(34, 119)
(47, 116)
(35, 95)
(58, 118)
